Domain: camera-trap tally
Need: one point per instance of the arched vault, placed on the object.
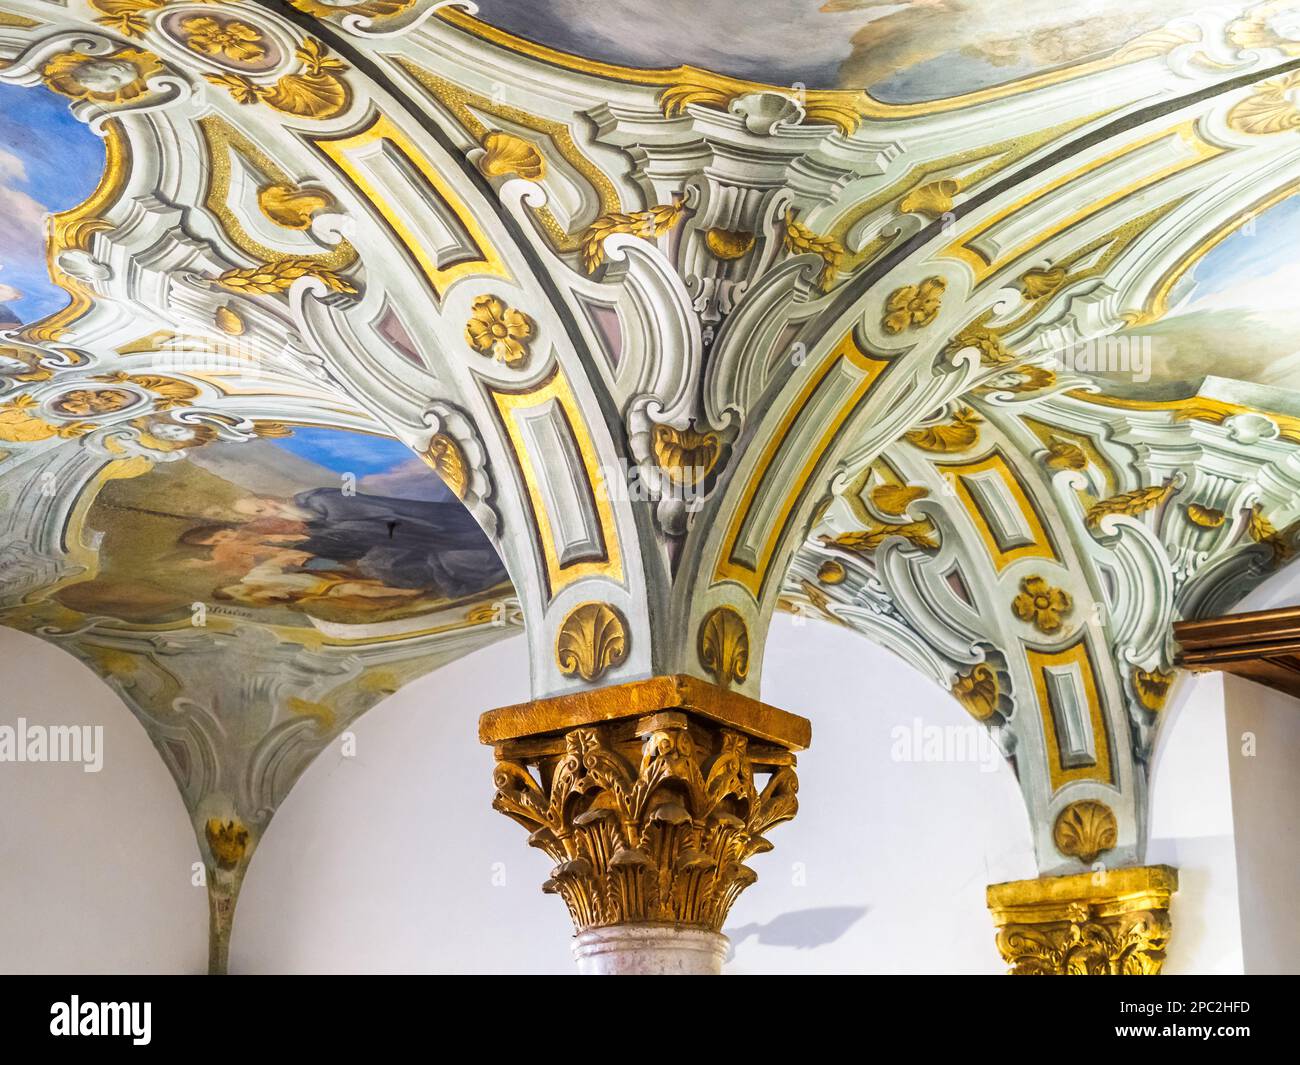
(685, 346)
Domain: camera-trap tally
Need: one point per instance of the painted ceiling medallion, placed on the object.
(913, 306)
(1041, 605)
(724, 646)
(505, 154)
(229, 39)
(498, 331)
(592, 640)
(1085, 830)
(116, 78)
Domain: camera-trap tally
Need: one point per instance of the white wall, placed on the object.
(94, 867)
(387, 863)
(1192, 829)
(1263, 740)
(393, 861)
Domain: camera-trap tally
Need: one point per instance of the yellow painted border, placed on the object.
(752, 579)
(1042, 546)
(337, 150)
(1038, 663)
(556, 387)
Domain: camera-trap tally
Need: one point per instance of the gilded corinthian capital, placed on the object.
(1113, 923)
(644, 796)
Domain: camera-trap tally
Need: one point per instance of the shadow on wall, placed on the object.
(801, 929)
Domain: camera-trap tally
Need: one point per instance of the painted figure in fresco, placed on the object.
(359, 551)
(404, 543)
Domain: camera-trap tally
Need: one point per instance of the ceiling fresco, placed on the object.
(342, 339)
(901, 51)
(49, 162)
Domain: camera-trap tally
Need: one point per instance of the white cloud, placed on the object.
(9, 294)
(22, 217)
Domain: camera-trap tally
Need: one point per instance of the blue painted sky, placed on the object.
(382, 466)
(48, 162)
(1255, 266)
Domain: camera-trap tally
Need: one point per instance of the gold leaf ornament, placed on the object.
(1131, 504)
(116, 78)
(1085, 830)
(315, 92)
(1152, 687)
(913, 306)
(687, 456)
(978, 692)
(290, 206)
(498, 331)
(723, 646)
(230, 39)
(800, 240)
(648, 224)
(728, 244)
(447, 459)
(933, 198)
(592, 640)
(227, 840)
(894, 499)
(504, 154)
(1205, 517)
(958, 435)
(1041, 605)
(279, 276)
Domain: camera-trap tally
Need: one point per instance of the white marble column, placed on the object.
(649, 950)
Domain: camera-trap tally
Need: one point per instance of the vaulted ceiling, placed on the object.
(340, 339)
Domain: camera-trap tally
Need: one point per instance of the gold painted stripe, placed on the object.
(339, 150)
(556, 387)
(1077, 653)
(753, 577)
(1042, 545)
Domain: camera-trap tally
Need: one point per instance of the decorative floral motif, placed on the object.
(913, 306)
(1270, 108)
(316, 92)
(117, 78)
(1041, 605)
(233, 40)
(499, 331)
(1131, 504)
(1064, 455)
